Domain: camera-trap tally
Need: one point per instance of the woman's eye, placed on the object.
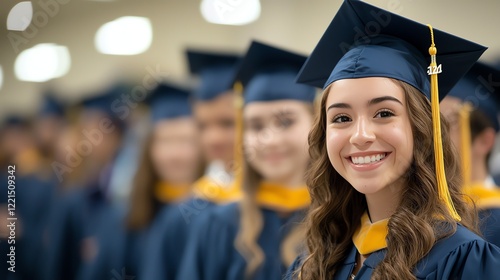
(384, 114)
(255, 127)
(341, 119)
(285, 123)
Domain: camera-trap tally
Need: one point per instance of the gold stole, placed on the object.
(483, 197)
(166, 192)
(207, 189)
(370, 237)
(28, 161)
(281, 197)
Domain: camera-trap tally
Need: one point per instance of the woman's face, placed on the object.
(276, 139)
(175, 150)
(368, 133)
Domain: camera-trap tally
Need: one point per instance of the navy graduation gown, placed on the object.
(111, 240)
(33, 200)
(33, 197)
(211, 254)
(490, 225)
(464, 255)
(75, 225)
(168, 237)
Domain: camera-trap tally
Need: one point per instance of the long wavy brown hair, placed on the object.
(143, 204)
(418, 222)
(252, 222)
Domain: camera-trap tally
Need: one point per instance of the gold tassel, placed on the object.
(465, 142)
(444, 193)
(238, 146)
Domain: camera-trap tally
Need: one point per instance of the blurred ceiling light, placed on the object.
(1, 77)
(124, 36)
(230, 12)
(42, 62)
(20, 16)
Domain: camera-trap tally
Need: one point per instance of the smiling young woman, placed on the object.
(384, 179)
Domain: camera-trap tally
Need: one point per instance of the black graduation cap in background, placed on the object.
(268, 73)
(481, 88)
(216, 72)
(169, 101)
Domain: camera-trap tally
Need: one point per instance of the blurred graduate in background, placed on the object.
(258, 237)
(472, 108)
(85, 206)
(48, 126)
(32, 193)
(29, 145)
(170, 162)
(214, 113)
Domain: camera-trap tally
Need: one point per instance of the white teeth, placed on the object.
(367, 159)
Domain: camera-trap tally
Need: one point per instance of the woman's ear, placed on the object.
(484, 142)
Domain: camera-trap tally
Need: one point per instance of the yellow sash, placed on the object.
(483, 197)
(205, 188)
(370, 237)
(281, 197)
(166, 192)
(28, 161)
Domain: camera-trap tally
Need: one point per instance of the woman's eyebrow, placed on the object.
(382, 99)
(339, 105)
(371, 102)
(284, 113)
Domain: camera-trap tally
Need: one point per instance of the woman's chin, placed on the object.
(367, 188)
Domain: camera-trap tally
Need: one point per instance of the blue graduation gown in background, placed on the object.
(211, 254)
(33, 203)
(490, 225)
(33, 198)
(79, 217)
(4, 245)
(120, 255)
(168, 238)
(464, 255)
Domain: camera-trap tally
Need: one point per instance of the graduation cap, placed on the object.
(480, 87)
(169, 101)
(268, 73)
(51, 106)
(365, 41)
(103, 102)
(14, 120)
(216, 72)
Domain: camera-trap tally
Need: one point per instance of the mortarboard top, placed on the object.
(51, 106)
(169, 101)
(268, 73)
(216, 72)
(481, 88)
(365, 41)
(103, 102)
